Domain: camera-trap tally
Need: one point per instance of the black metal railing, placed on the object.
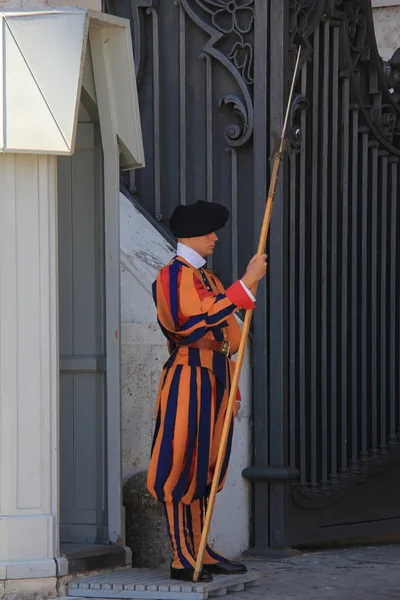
(343, 257)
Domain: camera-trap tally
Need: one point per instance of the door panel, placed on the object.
(82, 347)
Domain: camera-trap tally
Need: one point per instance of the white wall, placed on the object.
(17, 4)
(92, 4)
(143, 252)
(387, 26)
(381, 3)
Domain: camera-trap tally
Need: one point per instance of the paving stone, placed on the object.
(359, 573)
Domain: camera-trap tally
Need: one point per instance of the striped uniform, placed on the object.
(193, 394)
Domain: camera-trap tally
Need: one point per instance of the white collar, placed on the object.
(191, 256)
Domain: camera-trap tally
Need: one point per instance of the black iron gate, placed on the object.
(213, 78)
(341, 264)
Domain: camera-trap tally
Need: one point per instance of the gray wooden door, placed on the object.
(82, 343)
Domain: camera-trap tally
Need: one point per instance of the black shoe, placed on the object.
(187, 575)
(226, 568)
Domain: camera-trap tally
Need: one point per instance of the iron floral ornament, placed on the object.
(233, 15)
(230, 26)
(242, 57)
(235, 19)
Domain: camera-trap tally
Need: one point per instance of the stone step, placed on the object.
(142, 584)
(95, 557)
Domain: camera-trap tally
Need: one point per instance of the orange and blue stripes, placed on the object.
(195, 384)
(182, 550)
(195, 518)
(185, 524)
(189, 420)
(187, 309)
(192, 399)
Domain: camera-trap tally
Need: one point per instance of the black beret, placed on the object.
(201, 218)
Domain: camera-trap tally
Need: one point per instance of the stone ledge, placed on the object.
(97, 558)
(91, 4)
(28, 569)
(29, 589)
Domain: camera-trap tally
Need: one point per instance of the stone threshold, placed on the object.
(142, 584)
(95, 557)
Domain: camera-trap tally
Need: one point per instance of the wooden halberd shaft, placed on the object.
(243, 341)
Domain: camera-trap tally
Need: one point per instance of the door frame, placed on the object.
(111, 183)
(87, 139)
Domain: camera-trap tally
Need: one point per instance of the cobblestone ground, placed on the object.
(361, 573)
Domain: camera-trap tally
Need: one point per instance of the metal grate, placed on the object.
(155, 584)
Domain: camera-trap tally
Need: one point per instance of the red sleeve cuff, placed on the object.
(237, 295)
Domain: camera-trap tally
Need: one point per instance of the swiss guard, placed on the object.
(196, 315)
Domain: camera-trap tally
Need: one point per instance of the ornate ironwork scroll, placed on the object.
(230, 26)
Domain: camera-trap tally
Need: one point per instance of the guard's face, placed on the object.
(204, 244)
